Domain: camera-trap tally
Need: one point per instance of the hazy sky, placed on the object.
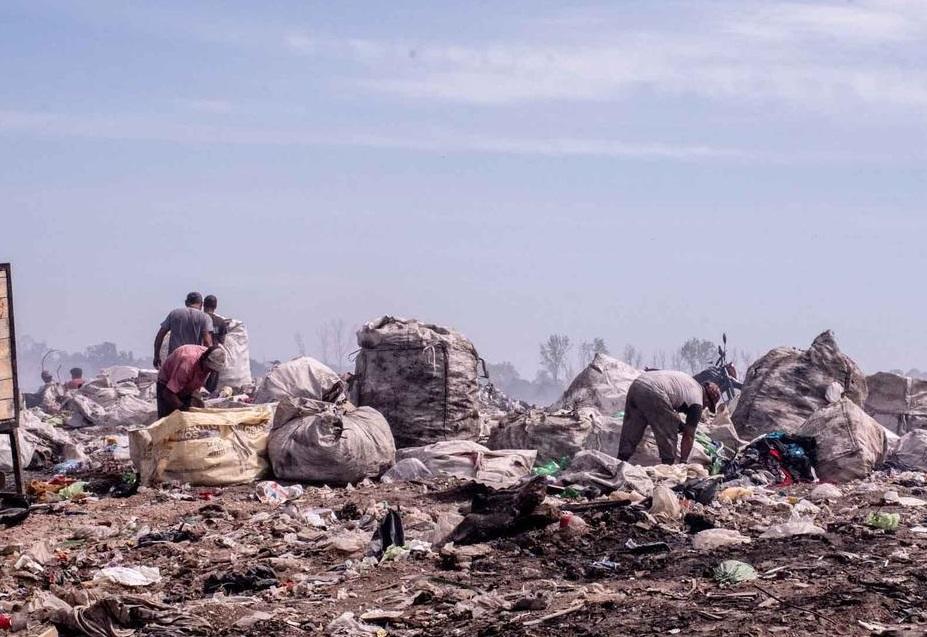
(639, 171)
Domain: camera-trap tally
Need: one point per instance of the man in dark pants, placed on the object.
(182, 376)
(655, 399)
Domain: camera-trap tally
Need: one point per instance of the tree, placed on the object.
(335, 343)
(658, 359)
(300, 344)
(698, 354)
(633, 356)
(502, 374)
(554, 354)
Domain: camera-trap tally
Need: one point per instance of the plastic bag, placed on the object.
(138, 576)
(665, 503)
(711, 539)
(734, 572)
(825, 491)
(270, 492)
(884, 521)
(795, 526)
(406, 470)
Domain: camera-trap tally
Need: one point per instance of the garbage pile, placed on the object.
(389, 502)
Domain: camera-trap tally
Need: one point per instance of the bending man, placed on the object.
(656, 399)
(182, 375)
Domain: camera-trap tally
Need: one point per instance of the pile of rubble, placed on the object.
(413, 499)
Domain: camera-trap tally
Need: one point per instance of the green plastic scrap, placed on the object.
(884, 521)
(552, 467)
(712, 450)
(734, 572)
(73, 489)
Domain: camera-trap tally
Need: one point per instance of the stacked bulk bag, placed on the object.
(421, 377)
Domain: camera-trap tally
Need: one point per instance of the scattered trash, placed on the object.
(735, 494)
(711, 539)
(572, 525)
(730, 572)
(665, 503)
(406, 470)
(825, 491)
(795, 526)
(131, 576)
(551, 467)
(633, 548)
(892, 497)
(270, 492)
(884, 521)
(258, 577)
(389, 533)
(178, 535)
(13, 509)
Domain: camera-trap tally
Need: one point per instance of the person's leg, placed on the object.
(665, 423)
(164, 410)
(632, 428)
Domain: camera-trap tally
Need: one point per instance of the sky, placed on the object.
(642, 172)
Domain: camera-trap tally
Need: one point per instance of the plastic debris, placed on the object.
(711, 539)
(665, 503)
(825, 491)
(804, 507)
(892, 497)
(735, 494)
(730, 572)
(551, 467)
(130, 576)
(795, 526)
(270, 492)
(406, 470)
(884, 521)
(252, 578)
(572, 525)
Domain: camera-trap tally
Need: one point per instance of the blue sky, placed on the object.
(639, 171)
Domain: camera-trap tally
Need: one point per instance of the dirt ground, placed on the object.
(853, 580)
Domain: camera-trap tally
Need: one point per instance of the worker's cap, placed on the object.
(215, 358)
(713, 392)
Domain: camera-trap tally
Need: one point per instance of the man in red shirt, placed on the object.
(183, 374)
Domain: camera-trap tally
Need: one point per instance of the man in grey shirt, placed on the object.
(188, 325)
(656, 399)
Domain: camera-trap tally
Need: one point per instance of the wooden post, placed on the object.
(9, 382)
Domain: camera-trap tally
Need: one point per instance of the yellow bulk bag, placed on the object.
(207, 447)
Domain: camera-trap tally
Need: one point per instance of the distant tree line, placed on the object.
(560, 359)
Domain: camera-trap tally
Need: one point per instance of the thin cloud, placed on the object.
(148, 129)
(810, 56)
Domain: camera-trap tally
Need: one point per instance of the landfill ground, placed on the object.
(853, 580)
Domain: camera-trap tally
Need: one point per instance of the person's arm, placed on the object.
(159, 340)
(693, 416)
(172, 399)
(208, 329)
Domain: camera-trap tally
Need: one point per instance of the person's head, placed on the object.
(77, 373)
(712, 395)
(46, 376)
(213, 358)
(194, 299)
(210, 303)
